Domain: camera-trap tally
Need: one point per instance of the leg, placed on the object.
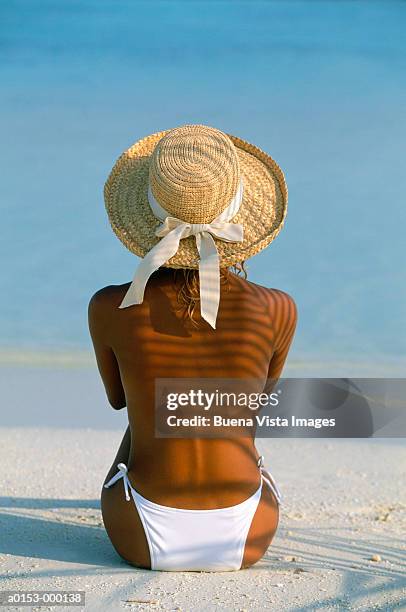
(120, 517)
(263, 527)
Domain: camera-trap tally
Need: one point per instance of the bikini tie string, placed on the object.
(171, 232)
(267, 476)
(122, 473)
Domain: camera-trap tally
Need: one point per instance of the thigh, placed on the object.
(120, 517)
(124, 526)
(263, 527)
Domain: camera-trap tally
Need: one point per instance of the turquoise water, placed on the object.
(320, 85)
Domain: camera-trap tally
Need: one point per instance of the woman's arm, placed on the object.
(106, 360)
(284, 313)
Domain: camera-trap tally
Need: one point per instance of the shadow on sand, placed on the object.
(321, 549)
(60, 539)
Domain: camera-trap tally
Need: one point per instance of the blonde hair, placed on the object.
(189, 295)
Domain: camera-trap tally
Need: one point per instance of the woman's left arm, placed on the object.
(105, 357)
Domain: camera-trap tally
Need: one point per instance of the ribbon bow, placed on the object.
(172, 231)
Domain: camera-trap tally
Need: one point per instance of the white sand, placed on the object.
(344, 501)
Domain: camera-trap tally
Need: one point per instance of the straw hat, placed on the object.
(194, 172)
(194, 197)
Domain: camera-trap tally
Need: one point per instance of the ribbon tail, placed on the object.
(209, 278)
(112, 480)
(164, 250)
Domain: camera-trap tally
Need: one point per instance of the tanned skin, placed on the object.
(136, 345)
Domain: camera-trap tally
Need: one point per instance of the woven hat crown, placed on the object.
(194, 173)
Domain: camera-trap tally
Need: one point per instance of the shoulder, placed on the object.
(282, 309)
(282, 300)
(107, 296)
(103, 302)
(276, 299)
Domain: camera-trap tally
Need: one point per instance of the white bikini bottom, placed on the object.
(180, 539)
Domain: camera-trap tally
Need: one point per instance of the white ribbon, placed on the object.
(122, 473)
(172, 231)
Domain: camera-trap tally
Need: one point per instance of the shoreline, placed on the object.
(303, 367)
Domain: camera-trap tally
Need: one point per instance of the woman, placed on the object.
(193, 202)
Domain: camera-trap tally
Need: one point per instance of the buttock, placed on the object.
(124, 527)
(263, 527)
(148, 535)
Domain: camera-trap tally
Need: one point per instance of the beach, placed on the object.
(343, 506)
(320, 87)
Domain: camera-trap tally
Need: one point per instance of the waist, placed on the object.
(196, 473)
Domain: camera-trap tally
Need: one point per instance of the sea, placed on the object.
(319, 85)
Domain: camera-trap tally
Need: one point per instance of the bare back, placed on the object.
(136, 345)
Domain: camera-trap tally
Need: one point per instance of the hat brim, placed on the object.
(262, 212)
